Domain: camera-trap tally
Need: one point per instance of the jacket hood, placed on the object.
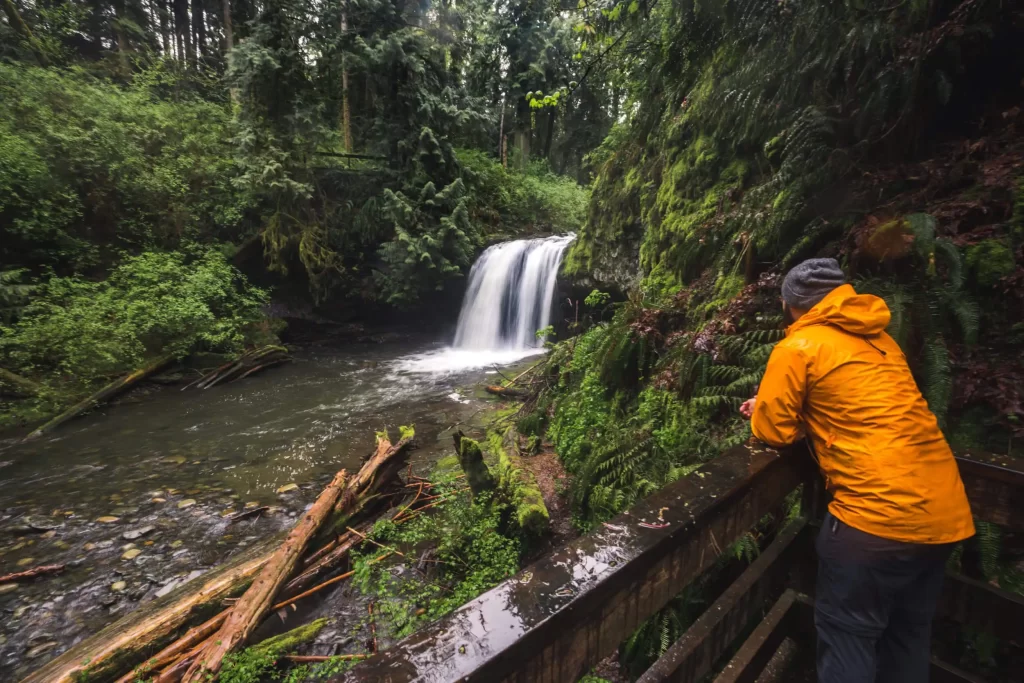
(843, 307)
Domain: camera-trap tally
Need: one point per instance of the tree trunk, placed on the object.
(549, 134)
(501, 135)
(229, 38)
(169, 654)
(246, 614)
(165, 33)
(505, 392)
(184, 28)
(104, 655)
(107, 392)
(199, 28)
(346, 114)
(22, 29)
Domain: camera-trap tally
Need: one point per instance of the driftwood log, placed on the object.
(122, 644)
(246, 614)
(105, 394)
(248, 363)
(116, 649)
(505, 392)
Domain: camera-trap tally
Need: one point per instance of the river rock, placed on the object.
(31, 524)
(40, 649)
(136, 534)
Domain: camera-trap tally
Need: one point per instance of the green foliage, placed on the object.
(990, 261)
(79, 331)
(929, 308)
(253, 663)
(509, 201)
(87, 167)
(459, 547)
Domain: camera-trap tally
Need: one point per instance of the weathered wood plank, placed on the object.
(941, 672)
(694, 654)
(983, 606)
(995, 488)
(755, 652)
(557, 618)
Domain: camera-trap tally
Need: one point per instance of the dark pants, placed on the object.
(875, 599)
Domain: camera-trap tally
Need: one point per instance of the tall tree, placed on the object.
(229, 38)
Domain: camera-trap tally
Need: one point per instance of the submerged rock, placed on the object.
(136, 534)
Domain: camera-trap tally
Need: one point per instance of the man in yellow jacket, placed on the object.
(898, 504)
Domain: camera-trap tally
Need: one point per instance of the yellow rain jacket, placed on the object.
(841, 380)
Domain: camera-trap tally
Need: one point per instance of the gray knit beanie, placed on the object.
(809, 282)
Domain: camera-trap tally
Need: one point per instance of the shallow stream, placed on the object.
(136, 498)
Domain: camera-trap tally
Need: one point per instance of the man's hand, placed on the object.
(747, 407)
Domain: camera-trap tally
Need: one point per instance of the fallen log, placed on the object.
(121, 645)
(32, 573)
(246, 614)
(175, 650)
(124, 644)
(248, 363)
(368, 479)
(505, 392)
(23, 385)
(104, 394)
(331, 559)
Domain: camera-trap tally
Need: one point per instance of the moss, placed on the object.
(517, 482)
(471, 459)
(990, 261)
(291, 639)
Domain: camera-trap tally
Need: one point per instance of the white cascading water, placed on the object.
(509, 295)
(509, 298)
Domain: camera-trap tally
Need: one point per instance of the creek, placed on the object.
(137, 498)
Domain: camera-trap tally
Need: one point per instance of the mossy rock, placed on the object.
(989, 261)
(889, 240)
(471, 459)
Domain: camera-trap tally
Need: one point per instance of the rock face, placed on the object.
(614, 268)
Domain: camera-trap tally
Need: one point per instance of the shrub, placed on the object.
(80, 331)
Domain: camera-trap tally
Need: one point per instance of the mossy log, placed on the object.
(21, 385)
(106, 393)
(471, 459)
(518, 480)
(247, 613)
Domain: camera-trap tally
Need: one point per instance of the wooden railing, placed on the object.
(558, 617)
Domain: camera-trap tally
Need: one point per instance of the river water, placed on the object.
(138, 497)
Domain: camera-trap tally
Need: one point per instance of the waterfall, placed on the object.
(509, 295)
(508, 298)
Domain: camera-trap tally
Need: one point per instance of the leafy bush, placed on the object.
(509, 201)
(80, 331)
(463, 555)
(88, 167)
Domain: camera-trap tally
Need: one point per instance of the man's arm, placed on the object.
(777, 412)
